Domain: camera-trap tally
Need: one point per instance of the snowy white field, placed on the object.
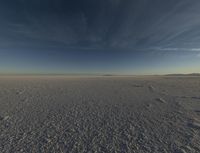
(100, 114)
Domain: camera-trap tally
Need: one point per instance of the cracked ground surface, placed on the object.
(100, 114)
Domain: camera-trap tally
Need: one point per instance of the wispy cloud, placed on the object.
(178, 49)
(113, 23)
(195, 49)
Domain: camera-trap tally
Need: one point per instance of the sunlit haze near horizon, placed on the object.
(99, 36)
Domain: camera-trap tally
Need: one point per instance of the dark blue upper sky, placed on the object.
(100, 36)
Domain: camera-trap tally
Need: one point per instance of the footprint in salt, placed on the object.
(151, 88)
(137, 85)
(160, 100)
(195, 97)
(20, 92)
(1, 118)
(194, 123)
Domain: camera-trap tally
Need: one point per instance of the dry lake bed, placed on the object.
(159, 114)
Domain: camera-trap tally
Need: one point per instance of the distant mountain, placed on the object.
(191, 74)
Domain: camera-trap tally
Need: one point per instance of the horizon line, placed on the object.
(93, 74)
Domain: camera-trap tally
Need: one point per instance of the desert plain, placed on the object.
(105, 114)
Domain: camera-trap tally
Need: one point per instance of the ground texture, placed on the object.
(100, 114)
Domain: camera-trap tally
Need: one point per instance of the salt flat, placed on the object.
(157, 114)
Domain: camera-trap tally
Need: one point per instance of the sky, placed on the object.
(99, 36)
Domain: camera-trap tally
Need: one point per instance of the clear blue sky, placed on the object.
(100, 36)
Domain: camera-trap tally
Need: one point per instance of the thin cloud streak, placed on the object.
(178, 49)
